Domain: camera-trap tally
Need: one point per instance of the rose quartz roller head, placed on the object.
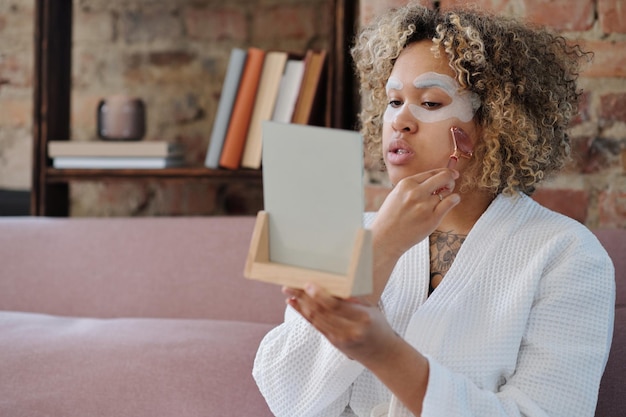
(463, 147)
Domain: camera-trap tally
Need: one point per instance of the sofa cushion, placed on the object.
(158, 267)
(78, 367)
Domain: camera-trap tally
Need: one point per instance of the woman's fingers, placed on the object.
(352, 325)
(326, 312)
(434, 181)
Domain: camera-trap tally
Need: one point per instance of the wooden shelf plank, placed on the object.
(56, 176)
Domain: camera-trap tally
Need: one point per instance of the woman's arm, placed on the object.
(362, 333)
(300, 373)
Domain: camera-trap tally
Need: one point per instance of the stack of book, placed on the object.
(115, 154)
(263, 85)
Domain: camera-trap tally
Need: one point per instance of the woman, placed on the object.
(484, 303)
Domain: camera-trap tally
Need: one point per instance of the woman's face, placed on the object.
(424, 102)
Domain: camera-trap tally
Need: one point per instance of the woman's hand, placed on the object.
(361, 332)
(354, 326)
(413, 210)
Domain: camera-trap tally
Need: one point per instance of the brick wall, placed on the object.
(592, 189)
(173, 53)
(16, 82)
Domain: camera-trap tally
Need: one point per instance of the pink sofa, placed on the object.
(141, 317)
(152, 317)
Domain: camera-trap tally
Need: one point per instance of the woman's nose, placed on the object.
(404, 120)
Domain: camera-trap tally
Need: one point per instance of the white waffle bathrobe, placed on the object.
(521, 325)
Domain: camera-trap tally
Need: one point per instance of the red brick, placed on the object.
(106, 198)
(612, 16)
(195, 146)
(613, 107)
(186, 109)
(16, 69)
(201, 199)
(16, 112)
(190, 199)
(92, 26)
(16, 153)
(150, 198)
(584, 110)
(170, 58)
(495, 6)
(369, 9)
(296, 22)
(136, 26)
(84, 63)
(572, 203)
(612, 208)
(593, 154)
(572, 15)
(216, 24)
(16, 21)
(83, 111)
(609, 59)
(585, 158)
(569, 15)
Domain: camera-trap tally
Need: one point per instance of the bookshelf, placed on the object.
(51, 108)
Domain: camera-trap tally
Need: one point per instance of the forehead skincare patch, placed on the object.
(394, 84)
(463, 106)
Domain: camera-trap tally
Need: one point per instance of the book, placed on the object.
(57, 148)
(265, 100)
(288, 90)
(235, 139)
(232, 79)
(115, 162)
(310, 89)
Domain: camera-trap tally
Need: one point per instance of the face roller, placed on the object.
(463, 147)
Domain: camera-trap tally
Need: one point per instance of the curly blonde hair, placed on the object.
(525, 78)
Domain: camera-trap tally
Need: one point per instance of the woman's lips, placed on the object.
(399, 152)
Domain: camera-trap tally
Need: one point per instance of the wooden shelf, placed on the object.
(55, 175)
(51, 108)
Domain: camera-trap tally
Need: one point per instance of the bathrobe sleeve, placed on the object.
(300, 373)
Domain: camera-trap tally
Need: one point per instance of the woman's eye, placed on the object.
(431, 105)
(395, 103)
